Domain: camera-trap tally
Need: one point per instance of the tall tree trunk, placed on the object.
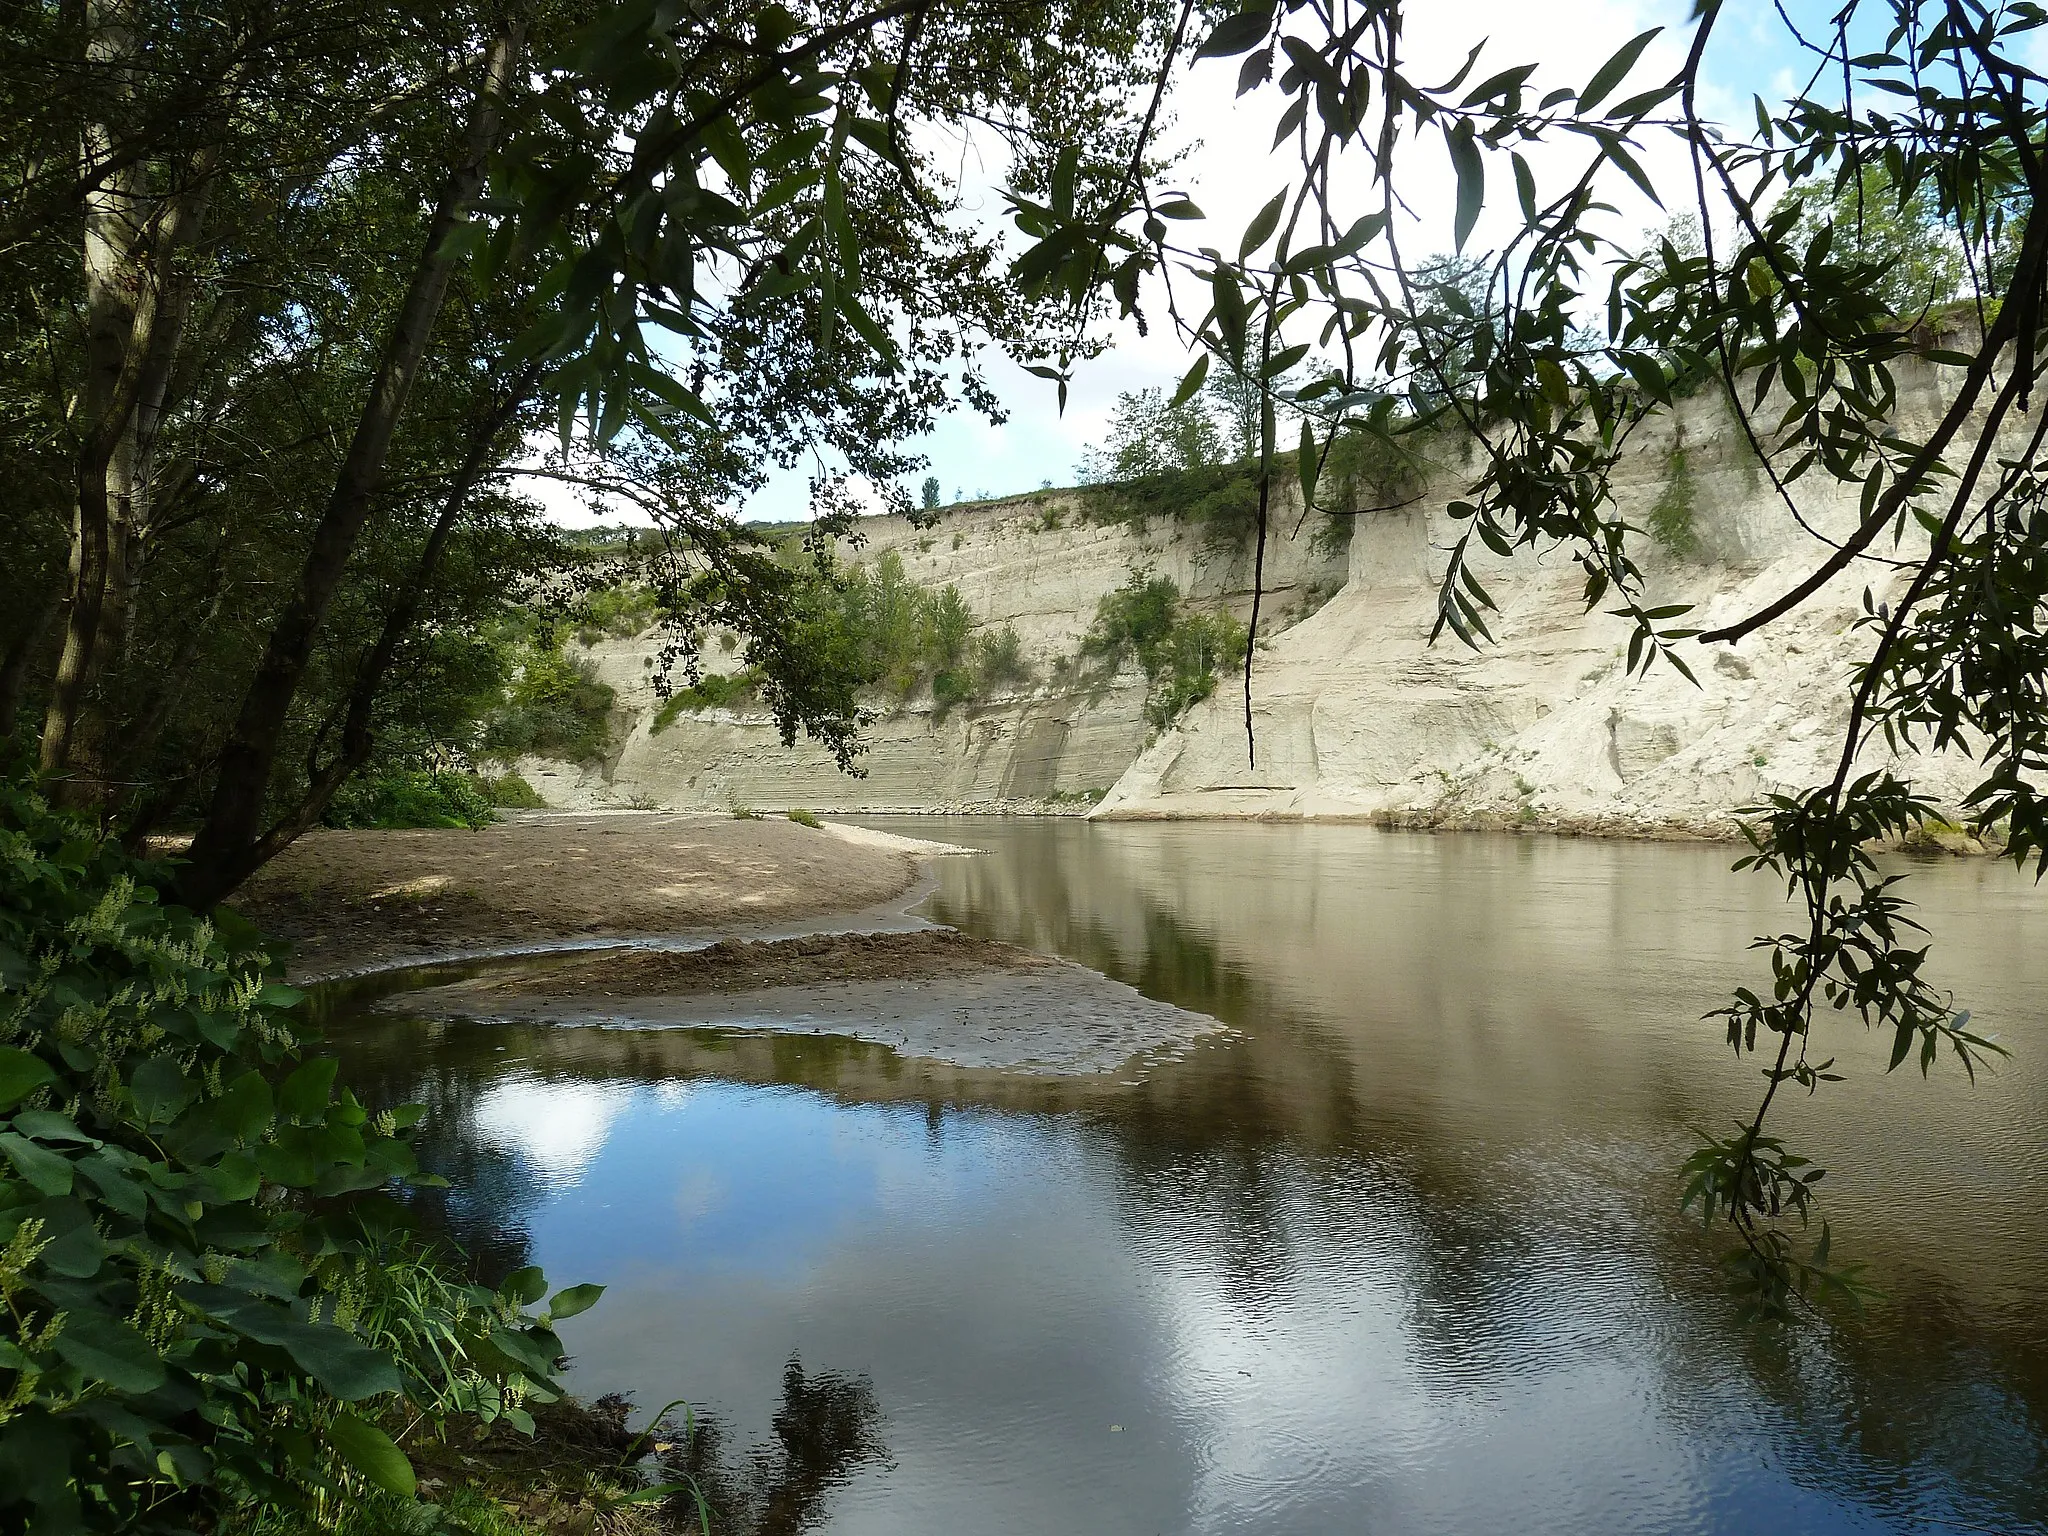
(226, 849)
(357, 737)
(138, 293)
(115, 218)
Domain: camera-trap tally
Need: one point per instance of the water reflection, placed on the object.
(1399, 1255)
(824, 1431)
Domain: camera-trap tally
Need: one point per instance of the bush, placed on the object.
(1178, 649)
(555, 707)
(804, 818)
(425, 799)
(511, 792)
(714, 690)
(999, 660)
(205, 1300)
(617, 613)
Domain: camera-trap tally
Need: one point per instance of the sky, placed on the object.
(1229, 173)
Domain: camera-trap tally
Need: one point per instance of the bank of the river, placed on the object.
(355, 900)
(934, 994)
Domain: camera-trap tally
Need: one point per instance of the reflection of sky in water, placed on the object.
(1400, 1256)
(1014, 1290)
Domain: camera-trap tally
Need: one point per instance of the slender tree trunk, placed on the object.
(357, 737)
(225, 851)
(115, 216)
(138, 293)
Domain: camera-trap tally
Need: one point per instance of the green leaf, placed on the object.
(45, 1170)
(1305, 463)
(1263, 223)
(348, 1368)
(1192, 381)
(21, 1074)
(523, 1351)
(525, 1286)
(373, 1453)
(305, 1093)
(110, 1351)
(1471, 169)
(160, 1090)
(1178, 208)
(572, 1300)
(48, 1125)
(1236, 34)
(244, 1111)
(1611, 73)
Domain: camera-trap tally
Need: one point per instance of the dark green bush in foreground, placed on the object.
(205, 1300)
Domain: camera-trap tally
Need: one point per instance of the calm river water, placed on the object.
(1399, 1254)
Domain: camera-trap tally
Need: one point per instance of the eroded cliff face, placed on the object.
(1034, 563)
(1354, 712)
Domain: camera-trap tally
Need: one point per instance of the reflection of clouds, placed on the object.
(670, 1094)
(558, 1127)
(699, 1193)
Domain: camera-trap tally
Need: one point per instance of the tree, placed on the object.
(1920, 127)
(928, 499)
(1149, 435)
(290, 287)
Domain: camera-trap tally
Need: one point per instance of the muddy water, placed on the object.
(1397, 1254)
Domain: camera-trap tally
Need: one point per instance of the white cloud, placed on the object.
(559, 1128)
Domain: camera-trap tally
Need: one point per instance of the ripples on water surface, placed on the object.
(1399, 1255)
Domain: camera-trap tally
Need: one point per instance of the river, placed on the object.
(1398, 1253)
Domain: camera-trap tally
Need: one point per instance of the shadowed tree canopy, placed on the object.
(292, 291)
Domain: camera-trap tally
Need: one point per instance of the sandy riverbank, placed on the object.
(352, 900)
(934, 994)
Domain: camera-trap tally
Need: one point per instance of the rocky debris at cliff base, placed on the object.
(935, 993)
(347, 900)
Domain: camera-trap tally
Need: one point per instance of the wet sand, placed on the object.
(934, 994)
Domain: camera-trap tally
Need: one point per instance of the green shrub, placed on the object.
(617, 613)
(804, 818)
(999, 660)
(1177, 648)
(1671, 515)
(554, 707)
(714, 690)
(422, 799)
(511, 792)
(205, 1300)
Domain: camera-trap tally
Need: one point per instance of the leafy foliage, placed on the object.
(1177, 647)
(354, 262)
(1671, 514)
(203, 1298)
(712, 690)
(553, 706)
(1150, 435)
(441, 798)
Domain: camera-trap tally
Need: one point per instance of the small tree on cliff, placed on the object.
(1552, 349)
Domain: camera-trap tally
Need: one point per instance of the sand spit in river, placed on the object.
(934, 993)
(354, 899)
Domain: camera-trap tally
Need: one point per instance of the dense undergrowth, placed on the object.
(211, 1305)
